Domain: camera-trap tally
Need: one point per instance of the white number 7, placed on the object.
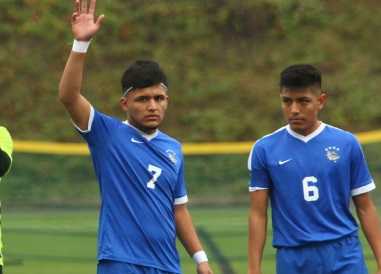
(156, 172)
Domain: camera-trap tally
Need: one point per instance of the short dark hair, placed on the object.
(142, 74)
(300, 76)
(5, 163)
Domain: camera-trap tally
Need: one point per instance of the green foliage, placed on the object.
(223, 59)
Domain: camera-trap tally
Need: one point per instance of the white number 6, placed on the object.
(311, 192)
(156, 172)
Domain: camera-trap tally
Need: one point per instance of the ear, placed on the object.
(124, 103)
(323, 97)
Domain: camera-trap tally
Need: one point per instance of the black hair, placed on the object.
(142, 74)
(5, 163)
(300, 76)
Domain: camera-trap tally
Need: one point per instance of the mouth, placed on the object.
(152, 118)
(296, 120)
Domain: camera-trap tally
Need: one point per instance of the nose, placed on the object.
(152, 105)
(294, 108)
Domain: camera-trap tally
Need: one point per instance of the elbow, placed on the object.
(65, 97)
(61, 94)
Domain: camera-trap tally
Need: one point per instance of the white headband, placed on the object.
(131, 88)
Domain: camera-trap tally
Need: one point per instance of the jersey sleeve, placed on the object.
(259, 176)
(6, 150)
(99, 128)
(6, 143)
(361, 179)
(181, 196)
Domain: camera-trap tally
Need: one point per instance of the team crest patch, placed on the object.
(171, 155)
(332, 153)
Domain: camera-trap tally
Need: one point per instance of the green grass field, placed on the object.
(64, 242)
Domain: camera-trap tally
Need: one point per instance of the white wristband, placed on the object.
(200, 257)
(80, 46)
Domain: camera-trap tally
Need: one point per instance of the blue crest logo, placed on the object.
(332, 153)
(171, 155)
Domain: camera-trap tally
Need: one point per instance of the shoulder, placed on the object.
(6, 142)
(4, 131)
(264, 144)
(270, 139)
(106, 120)
(102, 115)
(341, 134)
(166, 138)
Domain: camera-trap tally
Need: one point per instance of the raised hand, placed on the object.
(84, 23)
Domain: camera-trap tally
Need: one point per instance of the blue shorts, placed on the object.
(115, 267)
(342, 256)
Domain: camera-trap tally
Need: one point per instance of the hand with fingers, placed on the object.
(204, 268)
(84, 22)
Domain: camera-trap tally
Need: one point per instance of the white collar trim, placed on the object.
(149, 137)
(310, 136)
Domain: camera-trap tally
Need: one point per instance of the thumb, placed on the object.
(100, 19)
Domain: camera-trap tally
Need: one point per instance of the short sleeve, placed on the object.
(99, 129)
(6, 143)
(181, 196)
(361, 179)
(6, 150)
(259, 176)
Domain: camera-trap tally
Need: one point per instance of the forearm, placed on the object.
(370, 224)
(71, 80)
(186, 231)
(257, 239)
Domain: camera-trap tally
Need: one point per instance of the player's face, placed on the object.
(146, 107)
(301, 108)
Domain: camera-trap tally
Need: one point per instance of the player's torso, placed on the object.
(145, 166)
(311, 189)
(137, 184)
(309, 172)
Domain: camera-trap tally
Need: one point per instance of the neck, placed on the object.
(308, 131)
(142, 130)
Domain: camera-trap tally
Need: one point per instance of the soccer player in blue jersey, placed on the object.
(139, 168)
(310, 171)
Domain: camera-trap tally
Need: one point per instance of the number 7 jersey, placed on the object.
(141, 179)
(311, 180)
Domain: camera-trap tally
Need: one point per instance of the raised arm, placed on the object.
(370, 223)
(257, 229)
(188, 237)
(84, 25)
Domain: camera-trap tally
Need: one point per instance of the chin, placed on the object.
(297, 127)
(152, 125)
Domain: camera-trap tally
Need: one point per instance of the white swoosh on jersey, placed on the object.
(283, 162)
(136, 141)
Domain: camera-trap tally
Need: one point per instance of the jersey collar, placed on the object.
(149, 137)
(310, 136)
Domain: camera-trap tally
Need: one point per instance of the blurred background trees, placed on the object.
(222, 57)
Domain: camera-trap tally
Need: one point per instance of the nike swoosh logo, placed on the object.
(283, 162)
(136, 141)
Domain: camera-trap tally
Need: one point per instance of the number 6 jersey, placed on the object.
(311, 180)
(141, 179)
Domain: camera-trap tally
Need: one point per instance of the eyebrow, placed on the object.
(149, 96)
(295, 99)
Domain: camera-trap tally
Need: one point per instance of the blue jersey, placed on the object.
(141, 179)
(311, 181)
